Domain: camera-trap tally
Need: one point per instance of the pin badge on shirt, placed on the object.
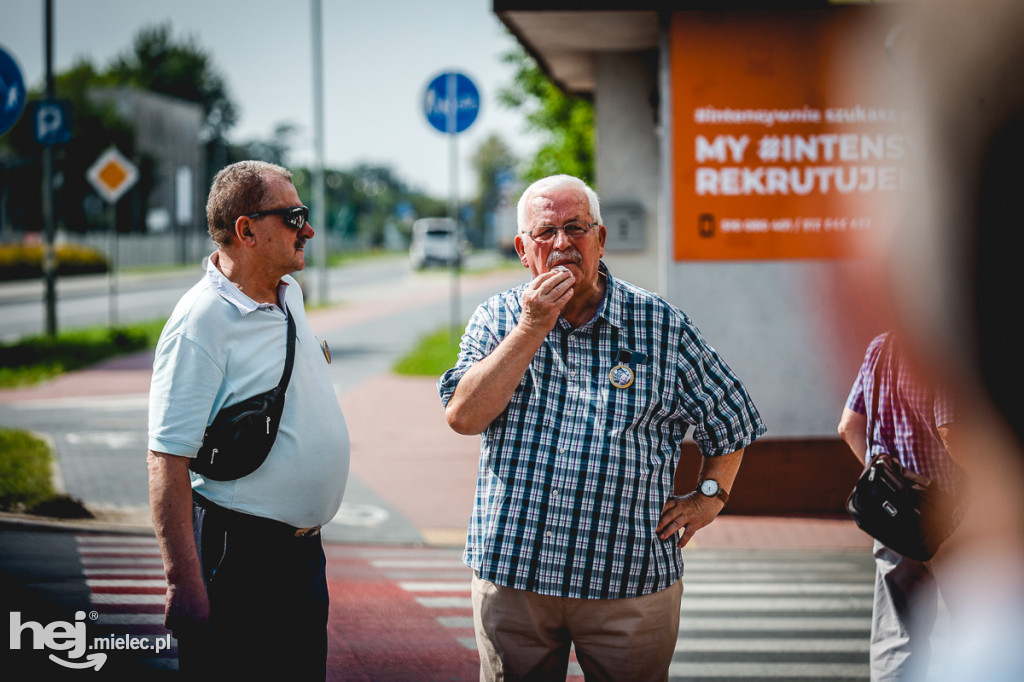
(327, 351)
(621, 376)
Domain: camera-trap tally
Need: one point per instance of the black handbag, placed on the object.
(902, 509)
(241, 435)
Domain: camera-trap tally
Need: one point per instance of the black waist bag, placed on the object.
(241, 435)
(903, 510)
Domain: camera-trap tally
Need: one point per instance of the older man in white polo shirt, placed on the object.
(247, 590)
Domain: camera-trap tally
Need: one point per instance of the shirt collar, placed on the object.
(233, 295)
(611, 308)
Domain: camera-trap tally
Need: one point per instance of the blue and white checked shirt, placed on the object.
(574, 473)
(910, 413)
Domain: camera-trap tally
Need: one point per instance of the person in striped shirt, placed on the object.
(582, 388)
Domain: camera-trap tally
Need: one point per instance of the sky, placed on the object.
(378, 58)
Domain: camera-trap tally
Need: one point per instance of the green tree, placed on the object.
(365, 202)
(159, 63)
(565, 122)
(179, 68)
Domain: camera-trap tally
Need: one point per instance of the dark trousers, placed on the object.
(268, 601)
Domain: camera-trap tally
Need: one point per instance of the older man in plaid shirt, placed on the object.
(583, 387)
(912, 422)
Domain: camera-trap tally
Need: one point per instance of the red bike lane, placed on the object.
(399, 614)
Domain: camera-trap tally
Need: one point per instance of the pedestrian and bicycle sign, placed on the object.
(451, 102)
(12, 91)
(112, 175)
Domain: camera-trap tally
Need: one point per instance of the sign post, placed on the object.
(112, 175)
(451, 104)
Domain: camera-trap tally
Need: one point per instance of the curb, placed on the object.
(31, 522)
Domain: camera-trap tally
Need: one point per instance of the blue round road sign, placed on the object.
(451, 103)
(12, 91)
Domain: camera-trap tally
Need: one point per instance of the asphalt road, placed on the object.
(89, 300)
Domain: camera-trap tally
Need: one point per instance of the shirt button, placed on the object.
(554, 493)
(547, 534)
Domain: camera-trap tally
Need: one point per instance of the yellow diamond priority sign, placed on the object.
(112, 175)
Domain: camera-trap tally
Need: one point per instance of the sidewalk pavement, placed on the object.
(402, 449)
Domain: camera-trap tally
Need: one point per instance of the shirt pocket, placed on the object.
(625, 393)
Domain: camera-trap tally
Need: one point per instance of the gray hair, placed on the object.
(554, 183)
(237, 190)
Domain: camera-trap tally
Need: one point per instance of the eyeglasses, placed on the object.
(295, 217)
(546, 233)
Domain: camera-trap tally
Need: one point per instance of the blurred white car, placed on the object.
(435, 241)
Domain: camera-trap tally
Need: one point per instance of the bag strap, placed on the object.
(876, 388)
(289, 358)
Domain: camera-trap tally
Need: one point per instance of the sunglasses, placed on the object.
(295, 217)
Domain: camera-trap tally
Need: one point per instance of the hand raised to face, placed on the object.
(544, 299)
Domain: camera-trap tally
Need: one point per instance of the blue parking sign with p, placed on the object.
(12, 91)
(53, 121)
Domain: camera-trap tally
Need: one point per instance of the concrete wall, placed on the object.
(776, 324)
(627, 156)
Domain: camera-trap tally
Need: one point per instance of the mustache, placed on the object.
(571, 255)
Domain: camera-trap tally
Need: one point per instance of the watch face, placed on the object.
(709, 487)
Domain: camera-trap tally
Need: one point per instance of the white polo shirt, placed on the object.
(220, 347)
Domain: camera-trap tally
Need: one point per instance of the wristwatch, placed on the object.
(710, 488)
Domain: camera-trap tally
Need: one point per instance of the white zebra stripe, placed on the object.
(775, 605)
(445, 602)
(436, 586)
(104, 598)
(103, 583)
(792, 645)
(782, 671)
(791, 624)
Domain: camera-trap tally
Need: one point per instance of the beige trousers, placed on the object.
(526, 636)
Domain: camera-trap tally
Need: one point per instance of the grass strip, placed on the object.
(37, 358)
(432, 355)
(25, 478)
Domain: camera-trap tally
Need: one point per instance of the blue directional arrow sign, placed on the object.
(451, 102)
(12, 91)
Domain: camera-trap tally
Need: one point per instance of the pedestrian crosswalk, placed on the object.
(746, 614)
(775, 615)
(125, 577)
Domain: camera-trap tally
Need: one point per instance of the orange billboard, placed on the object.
(786, 140)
